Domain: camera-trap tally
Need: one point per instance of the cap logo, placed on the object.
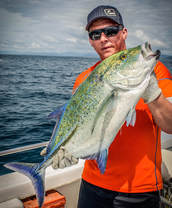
(110, 12)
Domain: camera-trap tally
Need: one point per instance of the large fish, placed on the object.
(93, 116)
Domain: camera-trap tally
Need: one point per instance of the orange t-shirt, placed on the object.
(134, 158)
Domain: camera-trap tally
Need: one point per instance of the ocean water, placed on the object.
(31, 87)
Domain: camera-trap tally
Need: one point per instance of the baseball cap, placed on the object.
(103, 11)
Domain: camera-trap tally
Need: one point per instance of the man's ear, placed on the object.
(125, 33)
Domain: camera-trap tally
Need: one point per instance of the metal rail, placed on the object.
(165, 202)
(23, 148)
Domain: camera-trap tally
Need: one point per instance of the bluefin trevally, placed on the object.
(90, 120)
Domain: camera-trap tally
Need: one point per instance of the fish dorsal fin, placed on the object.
(61, 141)
(58, 113)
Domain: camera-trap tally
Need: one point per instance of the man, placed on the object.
(133, 172)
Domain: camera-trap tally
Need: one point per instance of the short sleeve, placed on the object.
(164, 79)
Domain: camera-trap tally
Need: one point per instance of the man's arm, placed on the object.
(161, 110)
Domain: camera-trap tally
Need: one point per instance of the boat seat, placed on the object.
(166, 167)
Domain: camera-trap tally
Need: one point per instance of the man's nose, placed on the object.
(103, 37)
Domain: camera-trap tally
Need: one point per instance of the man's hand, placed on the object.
(159, 106)
(152, 91)
(61, 159)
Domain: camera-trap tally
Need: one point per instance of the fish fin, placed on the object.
(36, 176)
(102, 160)
(131, 117)
(62, 141)
(100, 110)
(59, 114)
(51, 141)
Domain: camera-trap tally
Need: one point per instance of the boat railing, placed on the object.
(23, 148)
(166, 193)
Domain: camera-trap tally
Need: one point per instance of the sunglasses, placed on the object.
(108, 31)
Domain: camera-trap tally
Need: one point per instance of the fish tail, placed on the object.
(35, 174)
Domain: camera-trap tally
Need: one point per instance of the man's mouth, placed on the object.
(106, 48)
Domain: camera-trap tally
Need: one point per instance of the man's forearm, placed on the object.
(161, 110)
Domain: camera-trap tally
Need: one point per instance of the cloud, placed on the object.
(49, 38)
(35, 45)
(59, 26)
(73, 40)
(144, 37)
(140, 34)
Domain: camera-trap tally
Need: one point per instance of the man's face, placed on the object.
(106, 46)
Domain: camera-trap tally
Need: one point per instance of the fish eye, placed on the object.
(123, 56)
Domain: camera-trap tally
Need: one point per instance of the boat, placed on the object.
(16, 189)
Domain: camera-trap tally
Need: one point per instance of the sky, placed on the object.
(56, 27)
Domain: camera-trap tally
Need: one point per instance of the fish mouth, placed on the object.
(147, 52)
(155, 55)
